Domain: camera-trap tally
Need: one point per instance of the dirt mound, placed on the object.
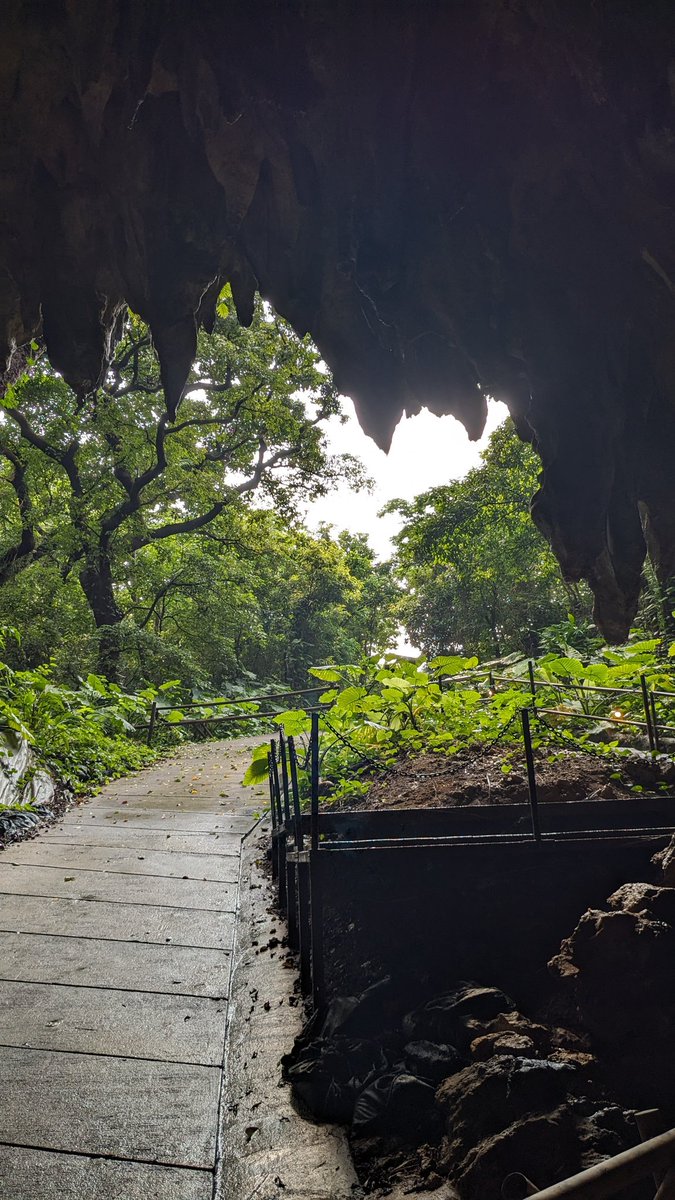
(618, 970)
(498, 776)
(480, 1090)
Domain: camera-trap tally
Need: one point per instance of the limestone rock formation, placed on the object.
(454, 199)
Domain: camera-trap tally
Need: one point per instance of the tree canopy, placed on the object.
(479, 576)
(101, 489)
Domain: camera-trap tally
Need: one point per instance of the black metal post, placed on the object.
(531, 776)
(302, 879)
(281, 834)
(315, 882)
(298, 899)
(283, 759)
(275, 815)
(276, 784)
(655, 722)
(648, 712)
(291, 894)
(533, 685)
(270, 780)
(314, 795)
(298, 836)
(153, 722)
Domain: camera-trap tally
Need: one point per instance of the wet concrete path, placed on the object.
(117, 930)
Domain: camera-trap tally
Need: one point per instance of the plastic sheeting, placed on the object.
(21, 780)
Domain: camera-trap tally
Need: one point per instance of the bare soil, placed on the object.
(497, 775)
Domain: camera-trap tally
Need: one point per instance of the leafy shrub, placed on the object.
(386, 707)
(83, 735)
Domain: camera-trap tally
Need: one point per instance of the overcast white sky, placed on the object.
(426, 451)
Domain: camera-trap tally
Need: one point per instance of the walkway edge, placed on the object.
(265, 1148)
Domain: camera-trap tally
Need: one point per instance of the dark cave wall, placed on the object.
(455, 199)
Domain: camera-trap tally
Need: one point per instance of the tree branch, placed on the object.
(135, 487)
(26, 545)
(65, 458)
(192, 524)
(171, 585)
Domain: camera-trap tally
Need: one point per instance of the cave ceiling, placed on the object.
(455, 199)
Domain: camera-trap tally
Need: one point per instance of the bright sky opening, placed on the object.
(426, 451)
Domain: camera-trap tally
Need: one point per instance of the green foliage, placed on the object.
(383, 708)
(572, 638)
(257, 770)
(119, 510)
(477, 572)
(82, 736)
(262, 600)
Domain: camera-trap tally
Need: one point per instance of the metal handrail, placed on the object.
(157, 711)
(245, 716)
(599, 718)
(240, 700)
(612, 1175)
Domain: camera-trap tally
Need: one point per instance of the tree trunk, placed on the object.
(96, 581)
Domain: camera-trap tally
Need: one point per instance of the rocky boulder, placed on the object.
(547, 1119)
(618, 970)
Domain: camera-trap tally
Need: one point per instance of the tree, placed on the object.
(333, 586)
(479, 577)
(260, 599)
(375, 618)
(91, 483)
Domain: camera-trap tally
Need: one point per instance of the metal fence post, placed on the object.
(283, 760)
(531, 776)
(648, 712)
(533, 685)
(153, 722)
(289, 866)
(302, 883)
(314, 768)
(275, 783)
(316, 897)
(298, 836)
(281, 833)
(655, 722)
(273, 810)
(277, 831)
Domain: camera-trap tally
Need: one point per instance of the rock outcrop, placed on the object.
(618, 970)
(483, 1092)
(534, 1115)
(455, 200)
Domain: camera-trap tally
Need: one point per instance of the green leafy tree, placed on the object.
(89, 484)
(375, 617)
(478, 575)
(252, 597)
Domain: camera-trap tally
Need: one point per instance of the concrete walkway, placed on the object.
(116, 945)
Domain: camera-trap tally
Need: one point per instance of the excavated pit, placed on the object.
(489, 1010)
